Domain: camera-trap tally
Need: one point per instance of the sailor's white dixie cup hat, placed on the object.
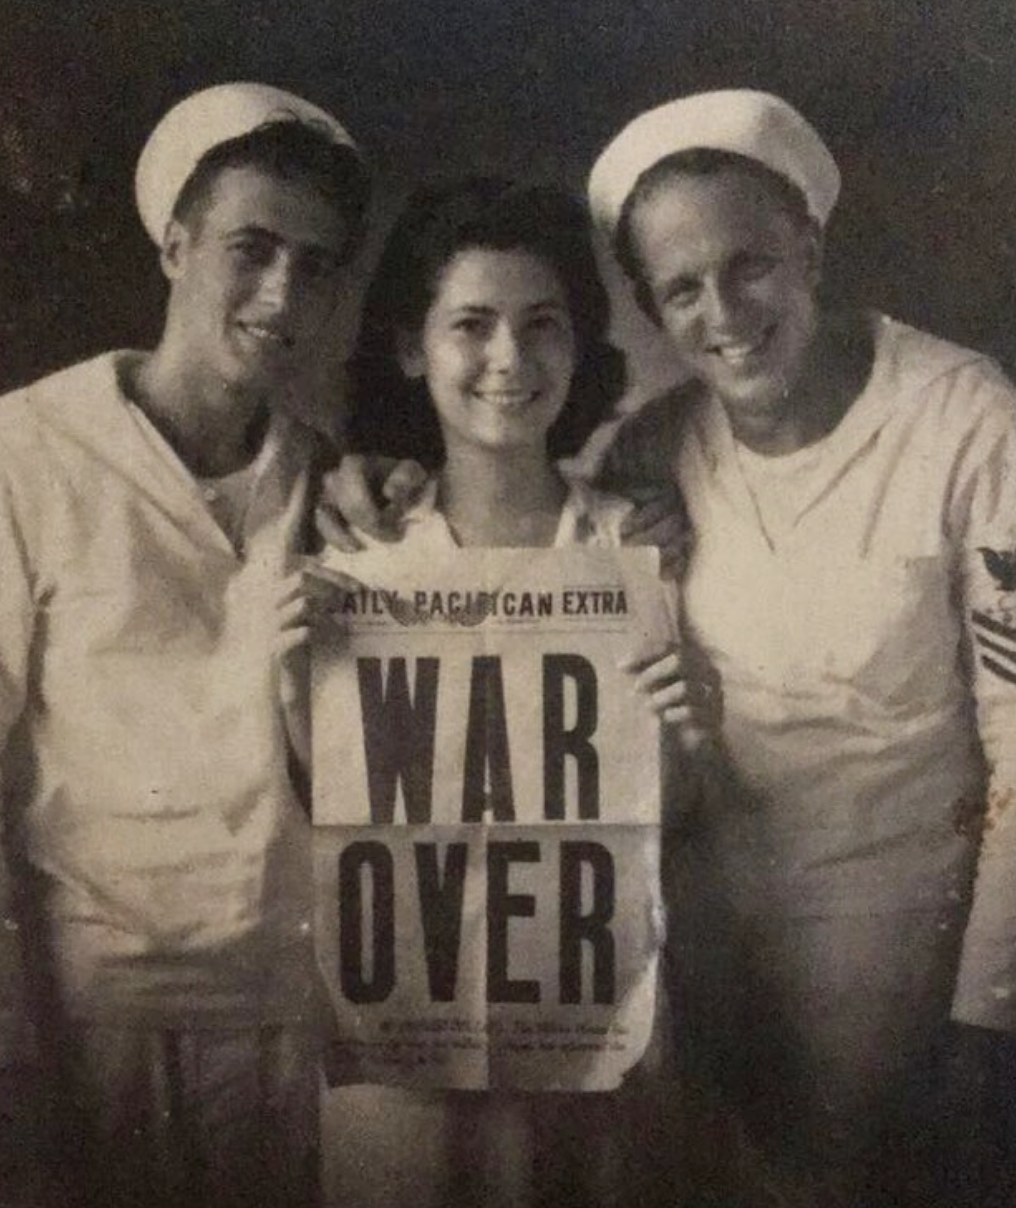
(757, 125)
(203, 121)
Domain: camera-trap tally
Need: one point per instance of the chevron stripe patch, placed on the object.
(996, 646)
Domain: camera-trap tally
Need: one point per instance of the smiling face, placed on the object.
(255, 277)
(497, 349)
(732, 278)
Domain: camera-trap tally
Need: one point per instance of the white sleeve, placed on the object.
(985, 533)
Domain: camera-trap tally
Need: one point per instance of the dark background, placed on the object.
(917, 99)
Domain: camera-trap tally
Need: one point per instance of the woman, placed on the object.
(852, 591)
(483, 354)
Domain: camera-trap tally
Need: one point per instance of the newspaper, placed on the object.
(486, 810)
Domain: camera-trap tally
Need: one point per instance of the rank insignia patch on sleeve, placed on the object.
(1001, 565)
(996, 645)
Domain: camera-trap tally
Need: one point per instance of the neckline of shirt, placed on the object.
(576, 512)
(869, 410)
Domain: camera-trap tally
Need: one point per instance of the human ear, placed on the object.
(647, 303)
(814, 254)
(173, 251)
(409, 353)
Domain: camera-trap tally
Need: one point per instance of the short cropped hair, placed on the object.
(393, 415)
(696, 162)
(290, 150)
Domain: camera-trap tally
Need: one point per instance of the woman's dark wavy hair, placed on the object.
(393, 415)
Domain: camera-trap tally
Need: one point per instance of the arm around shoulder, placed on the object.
(642, 455)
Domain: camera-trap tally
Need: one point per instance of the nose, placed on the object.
(719, 303)
(276, 282)
(504, 351)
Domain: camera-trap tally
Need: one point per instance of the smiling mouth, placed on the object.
(509, 400)
(267, 337)
(739, 353)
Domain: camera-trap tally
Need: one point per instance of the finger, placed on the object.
(671, 696)
(315, 625)
(658, 674)
(355, 491)
(290, 588)
(311, 600)
(324, 599)
(646, 516)
(356, 483)
(315, 573)
(636, 661)
(294, 613)
(691, 737)
(334, 530)
(650, 508)
(403, 485)
(383, 523)
(662, 703)
(298, 635)
(289, 640)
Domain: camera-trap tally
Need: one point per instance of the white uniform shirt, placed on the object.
(146, 781)
(864, 647)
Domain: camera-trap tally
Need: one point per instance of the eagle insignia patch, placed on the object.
(1001, 565)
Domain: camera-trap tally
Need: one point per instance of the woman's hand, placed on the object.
(309, 601)
(368, 492)
(676, 701)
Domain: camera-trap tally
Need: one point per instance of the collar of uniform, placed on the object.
(87, 404)
(575, 524)
(870, 411)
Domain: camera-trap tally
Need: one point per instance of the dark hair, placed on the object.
(697, 161)
(391, 414)
(290, 150)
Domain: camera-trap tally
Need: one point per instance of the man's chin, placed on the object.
(762, 398)
(260, 375)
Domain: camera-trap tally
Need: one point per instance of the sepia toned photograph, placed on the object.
(507, 604)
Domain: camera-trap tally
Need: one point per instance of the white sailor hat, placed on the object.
(203, 121)
(754, 124)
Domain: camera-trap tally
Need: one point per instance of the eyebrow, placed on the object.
(480, 309)
(678, 281)
(735, 260)
(253, 229)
